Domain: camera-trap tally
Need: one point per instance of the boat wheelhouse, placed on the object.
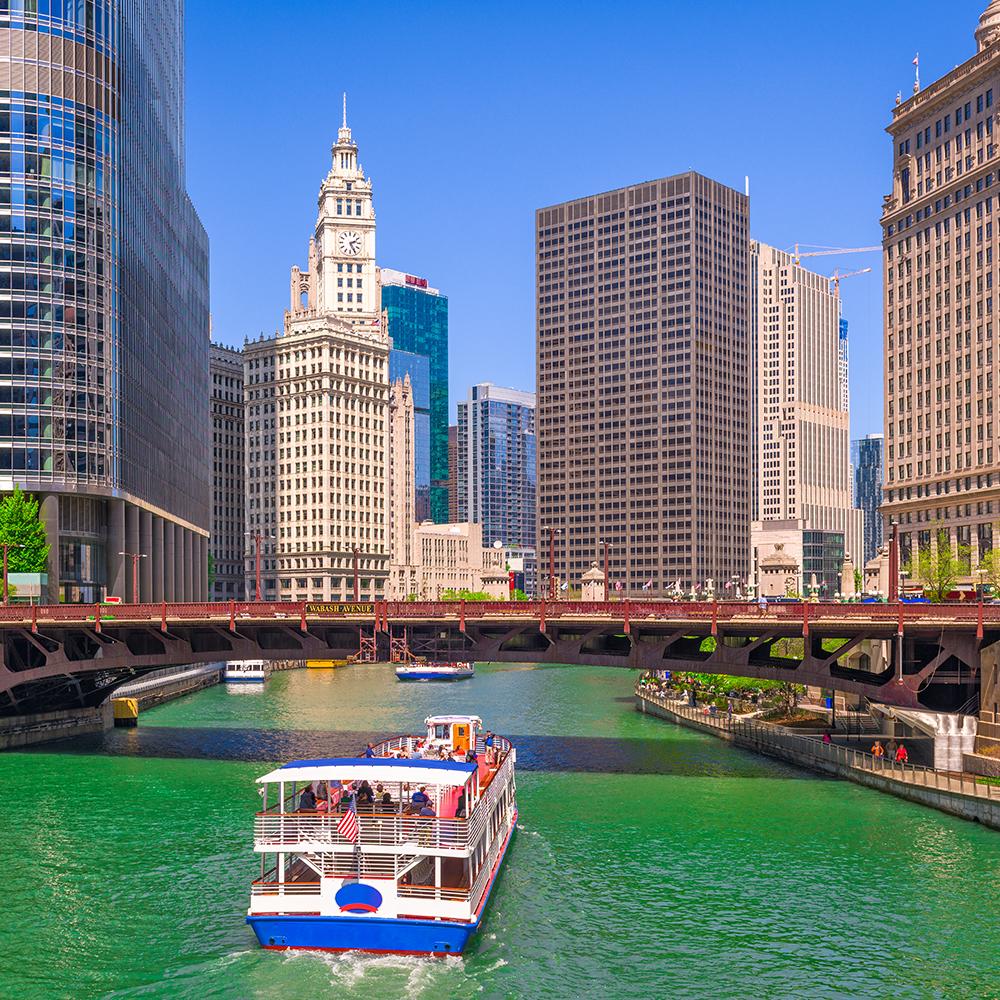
(245, 672)
(394, 851)
(417, 671)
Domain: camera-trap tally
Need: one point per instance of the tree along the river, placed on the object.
(24, 533)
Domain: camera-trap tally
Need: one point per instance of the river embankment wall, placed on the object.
(960, 795)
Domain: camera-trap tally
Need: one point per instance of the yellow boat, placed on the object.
(325, 664)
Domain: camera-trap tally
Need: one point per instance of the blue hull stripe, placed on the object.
(356, 933)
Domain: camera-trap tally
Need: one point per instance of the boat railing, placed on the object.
(262, 887)
(448, 893)
(272, 830)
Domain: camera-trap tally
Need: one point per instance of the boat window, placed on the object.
(441, 732)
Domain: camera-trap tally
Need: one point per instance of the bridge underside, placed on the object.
(68, 666)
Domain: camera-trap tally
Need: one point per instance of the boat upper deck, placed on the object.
(407, 792)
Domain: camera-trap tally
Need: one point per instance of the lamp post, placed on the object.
(355, 551)
(981, 575)
(135, 557)
(894, 561)
(552, 560)
(6, 547)
(257, 536)
(606, 547)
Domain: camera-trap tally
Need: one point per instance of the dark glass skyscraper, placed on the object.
(104, 385)
(866, 459)
(496, 474)
(418, 324)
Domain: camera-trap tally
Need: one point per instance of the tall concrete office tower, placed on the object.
(801, 424)
(643, 370)
(496, 464)
(104, 331)
(227, 544)
(942, 421)
(866, 461)
(418, 329)
(317, 410)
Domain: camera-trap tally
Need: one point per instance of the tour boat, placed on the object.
(417, 671)
(409, 873)
(245, 672)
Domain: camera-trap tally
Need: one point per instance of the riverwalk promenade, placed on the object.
(962, 795)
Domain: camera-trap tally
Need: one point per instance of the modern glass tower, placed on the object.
(496, 477)
(104, 334)
(418, 324)
(866, 460)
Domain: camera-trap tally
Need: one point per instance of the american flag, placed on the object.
(348, 825)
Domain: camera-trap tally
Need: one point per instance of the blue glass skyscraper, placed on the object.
(104, 334)
(866, 460)
(418, 326)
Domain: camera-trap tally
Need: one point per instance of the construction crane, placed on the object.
(831, 251)
(836, 278)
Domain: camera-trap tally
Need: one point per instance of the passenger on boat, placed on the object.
(420, 797)
(471, 757)
(427, 810)
(489, 747)
(460, 806)
(370, 750)
(365, 794)
(307, 800)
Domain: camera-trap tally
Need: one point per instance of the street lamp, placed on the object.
(135, 557)
(981, 574)
(552, 560)
(6, 589)
(257, 536)
(606, 547)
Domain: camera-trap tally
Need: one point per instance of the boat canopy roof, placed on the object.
(412, 771)
(442, 720)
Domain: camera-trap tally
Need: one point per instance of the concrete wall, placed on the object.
(27, 730)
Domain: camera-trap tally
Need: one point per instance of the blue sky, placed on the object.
(469, 116)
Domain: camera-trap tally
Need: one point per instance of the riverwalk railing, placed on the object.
(769, 737)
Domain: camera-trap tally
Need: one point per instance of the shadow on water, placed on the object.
(584, 754)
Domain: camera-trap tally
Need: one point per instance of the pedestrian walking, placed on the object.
(729, 709)
(878, 751)
(902, 755)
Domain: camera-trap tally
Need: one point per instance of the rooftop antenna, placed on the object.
(345, 110)
(916, 82)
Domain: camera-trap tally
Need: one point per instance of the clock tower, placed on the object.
(342, 256)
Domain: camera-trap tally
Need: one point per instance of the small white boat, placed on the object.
(246, 672)
(395, 851)
(416, 671)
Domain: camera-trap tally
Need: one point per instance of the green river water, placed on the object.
(650, 861)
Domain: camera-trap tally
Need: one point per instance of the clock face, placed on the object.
(349, 244)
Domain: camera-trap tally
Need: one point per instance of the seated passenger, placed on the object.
(307, 800)
(386, 799)
(470, 757)
(420, 797)
(365, 794)
(427, 810)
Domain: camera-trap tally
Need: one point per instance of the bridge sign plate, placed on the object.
(340, 609)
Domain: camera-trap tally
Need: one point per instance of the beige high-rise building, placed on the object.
(317, 409)
(802, 471)
(642, 417)
(942, 464)
(402, 484)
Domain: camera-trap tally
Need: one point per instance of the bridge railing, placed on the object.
(768, 736)
(382, 612)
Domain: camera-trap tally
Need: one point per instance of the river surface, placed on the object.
(650, 861)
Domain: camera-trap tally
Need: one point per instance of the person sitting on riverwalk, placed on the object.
(878, 751)
(307, 800)
(827, 738)
(902, 754)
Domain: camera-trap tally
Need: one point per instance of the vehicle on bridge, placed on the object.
(396, 851)
(416, 671)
